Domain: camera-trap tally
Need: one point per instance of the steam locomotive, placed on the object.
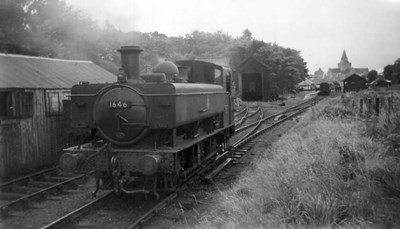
(156, 130)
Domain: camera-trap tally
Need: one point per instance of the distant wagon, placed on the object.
(32, 90)
(324, 88)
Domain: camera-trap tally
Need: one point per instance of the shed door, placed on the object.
(251, 87)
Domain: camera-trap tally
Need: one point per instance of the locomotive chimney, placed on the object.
(130, 62)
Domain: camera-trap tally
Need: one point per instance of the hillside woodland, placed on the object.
(51, 28)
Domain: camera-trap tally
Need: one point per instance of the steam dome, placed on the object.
(168, 68)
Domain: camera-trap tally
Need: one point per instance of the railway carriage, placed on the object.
(156, 130)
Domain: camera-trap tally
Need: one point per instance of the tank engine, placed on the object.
(157, 129)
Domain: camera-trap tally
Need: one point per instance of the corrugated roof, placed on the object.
(18, 71)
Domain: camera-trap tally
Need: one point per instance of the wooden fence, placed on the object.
(372, 105)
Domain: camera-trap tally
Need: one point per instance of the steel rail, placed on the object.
(77, 213)
(27, 177)
(152, 212)
(240, 112)
(243, 117)
(5, 206)
(296, 107)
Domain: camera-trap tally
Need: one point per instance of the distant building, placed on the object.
(354, 83)
(306, 85)
(319, 73)
(253, 79)
(318, 76)
(344, 70)
(380, 81)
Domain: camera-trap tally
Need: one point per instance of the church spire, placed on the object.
(344, 57)
(344, 63)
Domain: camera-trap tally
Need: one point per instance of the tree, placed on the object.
(388, 71)
(247, 35)
(13, 24)
(372, 75)
(396, 72)
(286, 66)
(392, 72)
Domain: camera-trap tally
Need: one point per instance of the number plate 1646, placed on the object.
(118, 104)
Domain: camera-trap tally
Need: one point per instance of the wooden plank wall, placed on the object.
(28, 144)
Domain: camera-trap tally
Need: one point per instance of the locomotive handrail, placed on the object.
(152, 95)
(146, 95)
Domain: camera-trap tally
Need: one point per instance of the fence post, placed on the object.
(369, 105)
(389, 105)
(361, 106)
(377, 105)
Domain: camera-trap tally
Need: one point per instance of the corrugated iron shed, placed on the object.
(18, 71)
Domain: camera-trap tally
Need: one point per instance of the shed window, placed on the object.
(16, 104)
(6, 104)
(54, 101)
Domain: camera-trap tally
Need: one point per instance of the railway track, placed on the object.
(250, 122)
(244, 144)
(237, 150)
(241, 116)
(134, 210)
(31, 186)
(248, 117)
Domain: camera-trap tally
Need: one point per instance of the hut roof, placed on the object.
(306, 82)
(254, 58)
(19, 71)
(355, 77)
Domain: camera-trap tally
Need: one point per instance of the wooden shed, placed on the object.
(354, 83)
(32, 90)
(380, 82)
(253, 80)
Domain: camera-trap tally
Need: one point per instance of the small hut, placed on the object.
(380, 82)
(306, 85)
(253, 80)
(354, 83)
(32, 90)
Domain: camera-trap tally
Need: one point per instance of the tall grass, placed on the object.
(332, 170)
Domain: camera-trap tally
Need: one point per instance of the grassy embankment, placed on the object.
(334, 169)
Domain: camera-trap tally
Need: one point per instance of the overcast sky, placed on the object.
(369, 30)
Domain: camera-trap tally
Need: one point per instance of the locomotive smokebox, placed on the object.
(130, 62)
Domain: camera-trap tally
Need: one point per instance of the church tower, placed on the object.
(344, 63)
